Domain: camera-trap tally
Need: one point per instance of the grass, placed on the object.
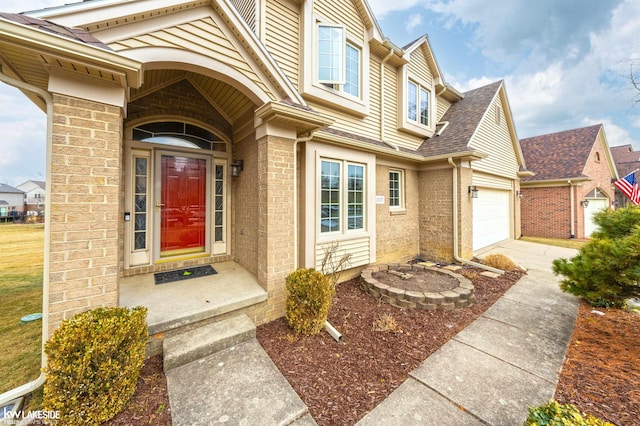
(21, 265)
(558, 242)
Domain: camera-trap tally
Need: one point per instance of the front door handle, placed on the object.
(159, 205)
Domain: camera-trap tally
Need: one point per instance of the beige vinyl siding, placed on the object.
(368, 126)
(491, 181)
(419, 68)
(495, 140)
(247, 9)
(443, 106)
(203, 36)
(282, 36)
(359, 249)
(347, 14)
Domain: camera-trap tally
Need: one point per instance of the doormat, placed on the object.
(183, 274)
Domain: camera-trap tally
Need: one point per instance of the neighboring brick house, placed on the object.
(574, 173)
(627, 161)
(35, 193)
(11, 202)
(198, 133)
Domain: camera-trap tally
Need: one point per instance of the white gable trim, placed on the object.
(164, 57)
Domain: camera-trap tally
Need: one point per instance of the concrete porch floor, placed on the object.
(180, 303)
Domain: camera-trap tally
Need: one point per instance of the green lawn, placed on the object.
(21, 264)
(574, 244)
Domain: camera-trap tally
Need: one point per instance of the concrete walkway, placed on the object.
(504, 362)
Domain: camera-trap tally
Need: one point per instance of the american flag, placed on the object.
(629, 186)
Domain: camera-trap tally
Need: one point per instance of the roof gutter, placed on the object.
(456, 256)
(48, 99)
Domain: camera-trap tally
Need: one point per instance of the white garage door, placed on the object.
(491, 217)
(594, 206)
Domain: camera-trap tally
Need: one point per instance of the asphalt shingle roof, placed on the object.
(626, 159)
(464, 118)
(8, 189)
(76, 34)
(561, 155)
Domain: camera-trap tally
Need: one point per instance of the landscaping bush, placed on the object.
(93, 364)
(606, 271)
(309, 297)
(555, 414)
(499, 261)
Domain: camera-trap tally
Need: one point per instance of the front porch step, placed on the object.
(207, 340)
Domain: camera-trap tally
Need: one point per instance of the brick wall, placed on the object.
(276, 236)
(436, 214)
(244, 208)
(85, 207)
(397, 232)
(546, 212)
(179, 98)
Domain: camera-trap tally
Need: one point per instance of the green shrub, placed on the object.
(499, 261)
(606, 271)
(309, 297)
(93, 364)
(555, 414)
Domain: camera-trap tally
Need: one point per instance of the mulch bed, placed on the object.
(341, 383)
(150, 402)
(601, 374)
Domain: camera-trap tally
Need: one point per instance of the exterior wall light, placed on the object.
(519, 194)
(236, 167)
(473, 191)
(584, 203)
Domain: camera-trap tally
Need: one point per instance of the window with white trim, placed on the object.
(396, 189)
(342, 196)
(338, 61)
(417, 103)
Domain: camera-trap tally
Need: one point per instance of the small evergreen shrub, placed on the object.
(309, 297)
(499, 261)
(93, 364)
(606, 271)
(555, 414)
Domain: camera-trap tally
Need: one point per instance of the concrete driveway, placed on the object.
(504, 362)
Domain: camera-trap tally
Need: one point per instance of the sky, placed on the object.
(565, 64)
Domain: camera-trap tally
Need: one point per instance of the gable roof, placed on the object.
(561, 155)
(101, 15)
(464, 118)
(8, 189)
(627, 160)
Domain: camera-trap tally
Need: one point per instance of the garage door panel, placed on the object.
(491, 217)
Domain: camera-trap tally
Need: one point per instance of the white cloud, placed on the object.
(414, 20)
(382, 7)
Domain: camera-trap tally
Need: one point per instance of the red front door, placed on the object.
(183, 205)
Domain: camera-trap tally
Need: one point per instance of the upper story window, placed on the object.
(338, 61)
(417, 103)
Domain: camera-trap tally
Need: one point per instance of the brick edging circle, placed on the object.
(458, 297)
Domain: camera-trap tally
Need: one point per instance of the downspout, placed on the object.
(572, 209)
(45, 96)
(455, 225)
(382, 126)
(445, 124)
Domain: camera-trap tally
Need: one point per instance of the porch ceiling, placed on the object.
(222, 96)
